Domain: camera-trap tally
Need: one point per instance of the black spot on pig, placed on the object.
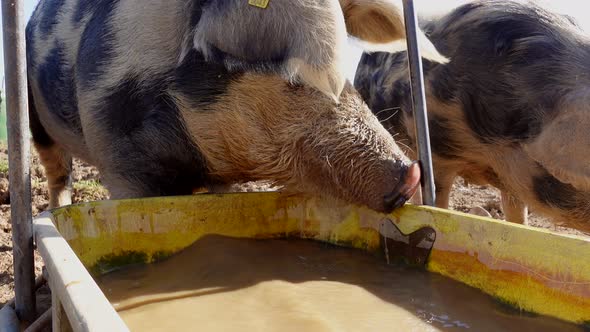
(272, 63)
(96, 44)
(196, 12)
(491, 117)
(443, 85)
(400, 96)
(218, 5)
(441, 139)
(30, 42)
(154, 149)
(462, 11)
(84, 8)
(50, 16)
(555, 193)
(524, 29)
(370, 59)
(380, 105)
(40, 136)
(544, 57)
(56, 82)
(127, 108)
(387, 102)
(201, 81)
(373, 88)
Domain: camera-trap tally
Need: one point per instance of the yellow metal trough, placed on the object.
(532, 269)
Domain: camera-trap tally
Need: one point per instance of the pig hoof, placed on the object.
(479, 211)
(405, 189)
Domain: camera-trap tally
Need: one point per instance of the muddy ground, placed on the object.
(87, 187)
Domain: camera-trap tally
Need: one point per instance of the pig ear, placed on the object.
(378, 26)
(308, 40)
(565, 136)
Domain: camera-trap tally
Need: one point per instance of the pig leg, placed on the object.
(444, 183)
(56, 161)
(58, 168)
(514, 209)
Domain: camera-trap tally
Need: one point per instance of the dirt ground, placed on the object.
(87, 187)
(465, 197)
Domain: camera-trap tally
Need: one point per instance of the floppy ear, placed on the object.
(378, 26)
(304, 40)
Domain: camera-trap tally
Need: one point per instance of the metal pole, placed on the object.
(15, 68)
(419, 104)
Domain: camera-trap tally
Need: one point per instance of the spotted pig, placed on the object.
(165, 96)
(511, 108)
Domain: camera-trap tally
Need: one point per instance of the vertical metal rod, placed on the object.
(419, 104)
(15, 67)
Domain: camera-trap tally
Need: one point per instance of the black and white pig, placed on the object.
(511, 108)
(165, 96)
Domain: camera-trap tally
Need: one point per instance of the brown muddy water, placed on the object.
(228, 284)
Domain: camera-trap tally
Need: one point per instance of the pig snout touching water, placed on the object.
(164, 96)
(511, 108)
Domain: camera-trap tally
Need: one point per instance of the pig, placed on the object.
(510, 108)
(165, 96)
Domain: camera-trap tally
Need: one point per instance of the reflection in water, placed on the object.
(227, 284)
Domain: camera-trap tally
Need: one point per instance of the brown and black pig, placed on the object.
(165, 96)
(511, 108)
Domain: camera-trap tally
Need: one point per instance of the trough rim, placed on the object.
(408, 219)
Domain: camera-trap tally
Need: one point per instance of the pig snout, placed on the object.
(348, 154)
(406, 187)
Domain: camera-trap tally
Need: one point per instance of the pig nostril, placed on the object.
(405, 189)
